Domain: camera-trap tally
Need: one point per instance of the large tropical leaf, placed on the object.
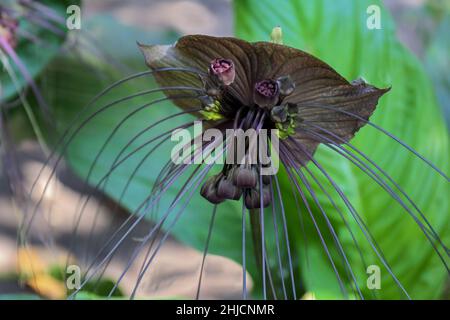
(70, 84)
(336, 32)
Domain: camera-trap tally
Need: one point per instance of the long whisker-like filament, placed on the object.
(175, 220)
(44, 24)
(133, 225)
(148, 237)
(117, 164)
(77, 118)
(25, 74)
(196, 182)
(336, 207)
(153, 198)
(116, 128)
(131, 177)
(45, 10)
(23, 100)
(129, 143)
(122, 226)
(283, 151)
(263, 241)
(269, 276)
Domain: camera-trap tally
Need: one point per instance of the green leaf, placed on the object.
(336, 32)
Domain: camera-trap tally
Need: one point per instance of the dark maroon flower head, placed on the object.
(267, 93)
(223, 69)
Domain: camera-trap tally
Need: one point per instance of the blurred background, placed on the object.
(109, 31)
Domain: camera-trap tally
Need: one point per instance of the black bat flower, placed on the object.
(264, 85)
(231, 85)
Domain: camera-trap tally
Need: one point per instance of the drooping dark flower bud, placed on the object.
(209, 191)
(292, 109)
(360, 81)
(286, 85)
(227, 190)
(252, 199)
(245, 177)
(223, 69)
(279, 113)
(266, 93)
